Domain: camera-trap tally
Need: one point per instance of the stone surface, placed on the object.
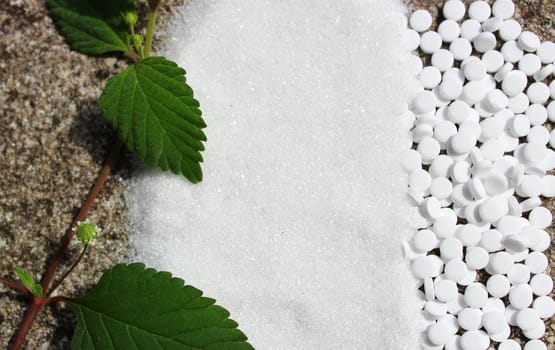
(53, 142)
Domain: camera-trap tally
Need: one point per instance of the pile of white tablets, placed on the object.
(477, 172)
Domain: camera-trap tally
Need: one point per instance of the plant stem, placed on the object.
(100, 180)
(39, 302)
(30, 316)
(68, 271)
(16, 286)
(150, 32)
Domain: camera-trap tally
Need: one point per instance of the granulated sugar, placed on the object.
(297, 226)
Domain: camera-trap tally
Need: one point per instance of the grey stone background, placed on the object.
(53, 142)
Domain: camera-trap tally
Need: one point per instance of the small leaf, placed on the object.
(29, 282)
(92, 26)
(153, 109)
(137, 308)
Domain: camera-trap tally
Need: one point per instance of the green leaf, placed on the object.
(153, 109)
(92, 26)
(137, 308)
(29, 282)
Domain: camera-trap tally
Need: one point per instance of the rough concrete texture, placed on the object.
(53, 141)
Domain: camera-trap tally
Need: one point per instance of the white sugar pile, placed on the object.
(296, 228)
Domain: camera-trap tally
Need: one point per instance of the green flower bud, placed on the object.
(130, 18)
(86, 232)
(137, 40)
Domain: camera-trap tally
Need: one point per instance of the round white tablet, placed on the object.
(511, 51)
(503, 71)
(438, 333)
(544, 72)
(546, 52)
(529, 64)
(446, 290)
(530, 203)
(470, 318)
(493, 60)
(450, 88)
(520, 296)
(429, 77)
(444, 130)
(420, 20)
(458, 112)
(541, 284)
(479, 10)
(538, 92)
(549, 180)
(475, 340)
(519, 125)
(492, 24)
(441, 188)
(431, 208)
(441, 166)
(501, 262)
(528, 41)
(430, 42)
(475, 295)
(533, 152)
(484, 41)
(514, 83)
(443, 59)
(544, 306)
(536, 262)
(412, 39)
(535, 345)
(462, 142)
(531, 186)
(536, 113)
(451, 248)
(551, 111)
(424, 102)
(474, 69)
(509, 345)
(494, 321)
(498, 286)
(420, 180)
(476, 258)
(424, 240)
(493, 209)
(520, 273)
(411, 160)
(426, 266)
(448, 30)
(455, 270)
(491, 240)
(535, 333)
(470, 28)
(540, 217)
(503, 9)
(429, 149)
(496, 100)
(510, 30)
(454, 10)
(435, 308)
(461, 48)
(528, 319)
(519, 103)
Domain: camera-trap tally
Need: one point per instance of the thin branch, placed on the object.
(57, 284)
(19, 287)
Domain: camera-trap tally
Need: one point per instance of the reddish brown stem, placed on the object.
(16, 286)
(30, 316)
(39, 303)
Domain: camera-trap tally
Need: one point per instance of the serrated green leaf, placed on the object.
(154, 111)
(92, 26)
(137, 308)
(29, 282)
